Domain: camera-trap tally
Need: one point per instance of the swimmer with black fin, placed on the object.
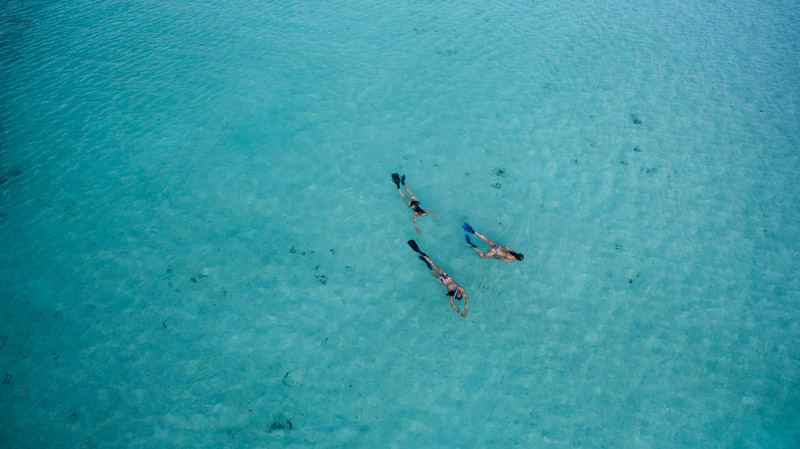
(454, 291)
(413, 203)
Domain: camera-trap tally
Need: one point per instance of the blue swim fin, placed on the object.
(468, 228)
(466, 237)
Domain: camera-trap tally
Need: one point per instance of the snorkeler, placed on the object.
(497, 251)
(413, 203)
(454, 291)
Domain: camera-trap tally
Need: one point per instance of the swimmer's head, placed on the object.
(456, 294)
(518, 256)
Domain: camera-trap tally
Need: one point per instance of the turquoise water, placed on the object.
(202, 246)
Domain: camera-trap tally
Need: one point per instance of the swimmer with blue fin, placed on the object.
(497, 250)
(454, 291)
(413, 203)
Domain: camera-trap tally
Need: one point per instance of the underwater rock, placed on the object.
(294, 250)
(280, 423)
(69, 211)
(11, 174)
(287, 380)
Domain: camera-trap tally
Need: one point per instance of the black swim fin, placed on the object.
(396, 179)
(403, 180)
(414, 246)
(422, 258)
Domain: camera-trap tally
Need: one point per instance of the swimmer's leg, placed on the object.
(428, 264)
(483, 237)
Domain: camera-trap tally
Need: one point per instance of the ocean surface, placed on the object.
(201, 245)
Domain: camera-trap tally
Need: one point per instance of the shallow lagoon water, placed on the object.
(203, 247)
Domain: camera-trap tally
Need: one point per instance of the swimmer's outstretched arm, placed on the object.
(453, 305)
(416, 214)
(415, 223)
(466, 303)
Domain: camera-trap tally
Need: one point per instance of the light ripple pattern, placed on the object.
(202, 247)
